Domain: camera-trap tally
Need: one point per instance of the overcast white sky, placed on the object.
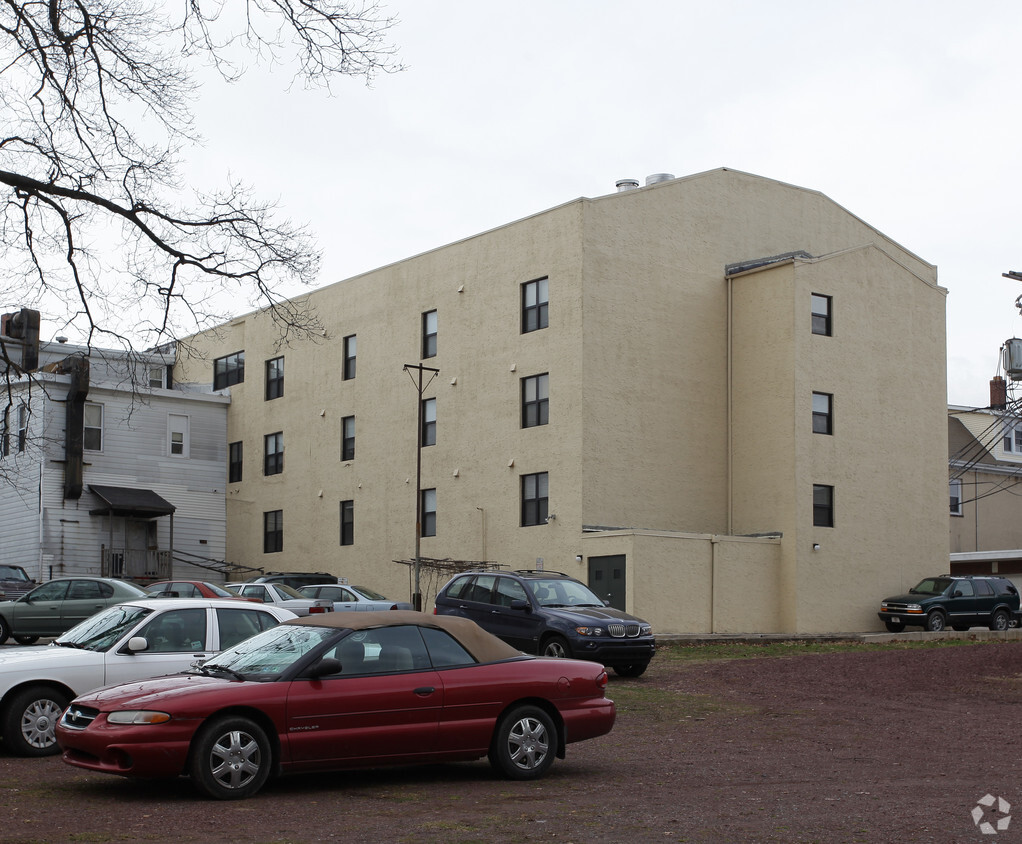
(905, 113)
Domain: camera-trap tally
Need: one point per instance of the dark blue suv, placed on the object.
(550, 614)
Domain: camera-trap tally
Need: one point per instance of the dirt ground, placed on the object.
(862, 746)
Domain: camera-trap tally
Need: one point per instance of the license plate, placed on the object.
(895, 618)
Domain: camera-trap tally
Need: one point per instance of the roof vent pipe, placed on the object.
(658, 177)
(626, 184)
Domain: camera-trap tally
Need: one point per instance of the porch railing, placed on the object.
(130, 564)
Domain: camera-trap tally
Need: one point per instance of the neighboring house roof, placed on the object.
(963, 447)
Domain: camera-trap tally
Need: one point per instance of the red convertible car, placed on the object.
(342, 690)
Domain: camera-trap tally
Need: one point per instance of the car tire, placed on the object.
(26, 640)
(30, 721)
(634, 670)
(524, 743)
(894, 626)
(230, 758)
(999, 620)
(5, 630)
(935, 621)
(555, 646)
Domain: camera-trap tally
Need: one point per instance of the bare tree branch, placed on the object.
(94, 221)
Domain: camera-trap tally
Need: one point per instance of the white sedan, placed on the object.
(357, 598)
(282, 595)
(135, 640)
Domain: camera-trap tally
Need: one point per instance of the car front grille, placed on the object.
(79, 717)
(622, 630)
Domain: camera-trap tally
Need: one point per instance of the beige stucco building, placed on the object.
(677, 344)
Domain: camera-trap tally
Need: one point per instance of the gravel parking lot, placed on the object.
(870, 745)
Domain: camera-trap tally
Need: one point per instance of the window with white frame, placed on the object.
(177, 430)
(22, 427)
(93, 439)
(955, 487)
(1012, 439)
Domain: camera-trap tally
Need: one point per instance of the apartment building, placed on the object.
(106, 469)
(718, 399)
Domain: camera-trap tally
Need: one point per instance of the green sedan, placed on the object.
(58, 605)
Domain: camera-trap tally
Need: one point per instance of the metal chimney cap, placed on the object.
(626, 184)
(655, 178)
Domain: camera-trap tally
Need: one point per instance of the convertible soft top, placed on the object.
(484, 646)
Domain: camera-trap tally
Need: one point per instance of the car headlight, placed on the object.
(913, 608)
(646, 630)
(589, 631)
(138, 716)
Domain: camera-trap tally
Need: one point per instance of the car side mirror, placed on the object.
(137, 644)
(324, 667)
(519, 604)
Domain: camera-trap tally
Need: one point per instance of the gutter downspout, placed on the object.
(729, 423)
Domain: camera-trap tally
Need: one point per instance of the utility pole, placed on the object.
(420, 387)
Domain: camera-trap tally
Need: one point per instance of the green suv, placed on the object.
(958, 601)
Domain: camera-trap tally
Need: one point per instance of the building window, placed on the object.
(273, 462)
(428, 422)
(5, 434)
(429, 334)
(349, 358)
(235, 460)
(229, 370)
(274, 378)
(823, 418)
(535, 492)
(535, 400)
(535, 305)
(22, 427)
(177, 427)
(821, 315)
(955, 487)
(347, 523)
(93, 439)
(429, 512)
(823, 505)
(1012, 440)
(273, 531)
(348, 438)
(156, 377)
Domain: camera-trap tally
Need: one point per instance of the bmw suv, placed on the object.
(961, 601)
(550, 614)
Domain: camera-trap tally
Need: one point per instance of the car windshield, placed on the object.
(101, 631)
(371, 594)
(563, 593)
(13, 573)
(266, 655)
(932, 585)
